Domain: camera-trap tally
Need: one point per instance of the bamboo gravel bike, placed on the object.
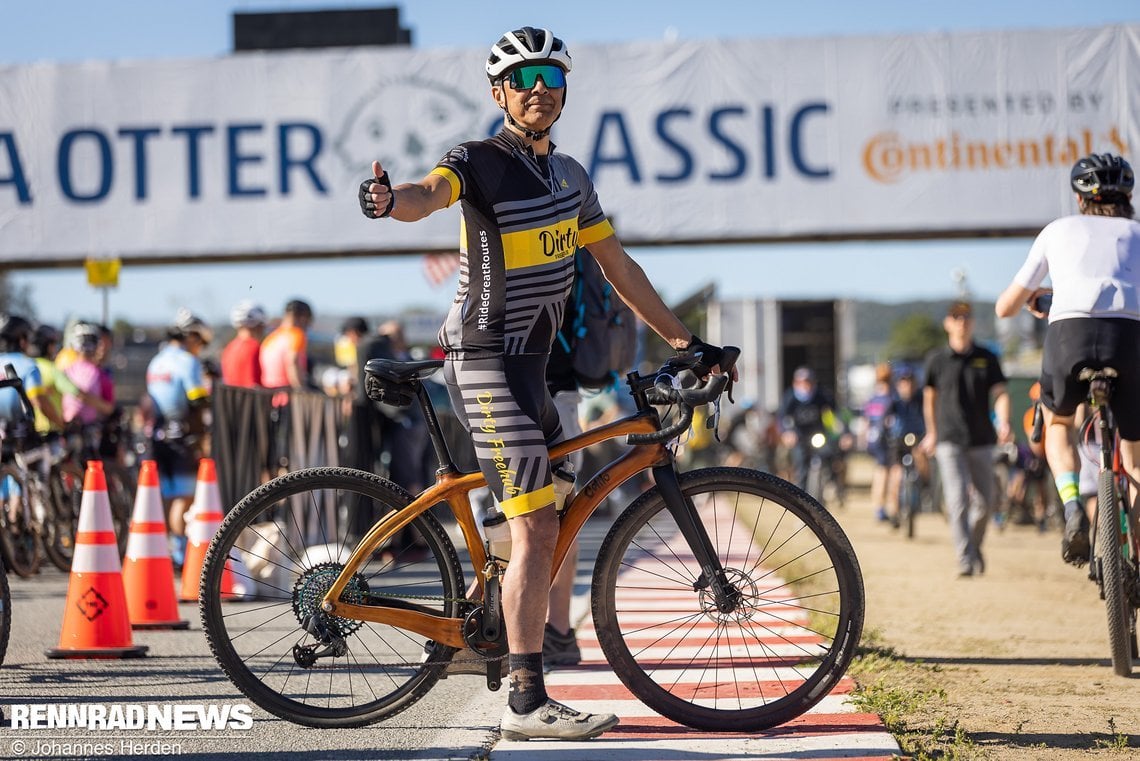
(724, 598)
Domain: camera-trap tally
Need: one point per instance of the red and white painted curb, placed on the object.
(831, 729)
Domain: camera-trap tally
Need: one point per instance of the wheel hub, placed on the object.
(311, 588)
(747, 596)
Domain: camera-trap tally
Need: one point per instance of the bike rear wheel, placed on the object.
(784, 644)
(19, 536)
(289, 538)
(1111, 573)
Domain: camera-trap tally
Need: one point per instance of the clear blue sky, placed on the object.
(70, 30)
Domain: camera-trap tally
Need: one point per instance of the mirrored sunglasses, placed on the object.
(524, 77)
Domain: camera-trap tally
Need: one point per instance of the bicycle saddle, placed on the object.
(402, 372)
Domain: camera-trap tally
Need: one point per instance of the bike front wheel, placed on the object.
(908, 503)
(771, 654)
(283, 546)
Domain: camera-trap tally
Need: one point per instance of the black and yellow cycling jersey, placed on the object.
(523, 218)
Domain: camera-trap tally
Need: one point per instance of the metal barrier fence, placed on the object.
(261, 433)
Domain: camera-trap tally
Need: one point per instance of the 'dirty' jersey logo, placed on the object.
(557, 243)
(529, 248)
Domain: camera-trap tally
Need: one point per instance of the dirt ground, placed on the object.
(1021, 652)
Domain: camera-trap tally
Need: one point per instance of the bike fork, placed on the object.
(684, 512)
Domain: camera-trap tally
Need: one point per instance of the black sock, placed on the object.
(527, 688)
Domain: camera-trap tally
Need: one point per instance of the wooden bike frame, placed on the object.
(454, 488)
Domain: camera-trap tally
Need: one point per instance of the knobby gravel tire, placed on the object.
(384, 670)
(778, 652)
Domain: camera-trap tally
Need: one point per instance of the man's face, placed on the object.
(959, 326)
(535, 108)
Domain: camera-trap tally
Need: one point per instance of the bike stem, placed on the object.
(685, 514)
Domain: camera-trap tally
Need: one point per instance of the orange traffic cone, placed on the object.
(95, 619)
(148, 574)
(203, 521)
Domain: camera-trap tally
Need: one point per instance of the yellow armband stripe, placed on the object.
(452, 180)
(529, 502)
(595, 233)
(195, 394)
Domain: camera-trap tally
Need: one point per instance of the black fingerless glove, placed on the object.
(367, 208)
(707, 355)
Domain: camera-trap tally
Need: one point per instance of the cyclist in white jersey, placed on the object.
(1093, 260)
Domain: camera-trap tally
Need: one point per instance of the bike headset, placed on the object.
(522, 47)
(1102, 178)
(13, 331)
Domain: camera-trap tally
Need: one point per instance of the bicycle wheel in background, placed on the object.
(1121, 615)
(908, 502)
(19, 540)
(778, 651)
(813, 484)
(5, 611)
(121, 496)
(66, 488)
(290, 538)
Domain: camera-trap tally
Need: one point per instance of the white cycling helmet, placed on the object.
(84, 337)
(526, 45)
(246, 314)
(186, 322)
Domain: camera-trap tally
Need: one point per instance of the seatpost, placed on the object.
(442, 454)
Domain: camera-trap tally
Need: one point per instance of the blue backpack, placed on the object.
(600, 333)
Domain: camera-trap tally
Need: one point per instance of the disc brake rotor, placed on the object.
(745, 608)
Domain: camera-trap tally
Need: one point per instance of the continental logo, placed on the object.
(888, 157)
(528, 248)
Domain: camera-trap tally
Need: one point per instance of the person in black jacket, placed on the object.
(961, 380)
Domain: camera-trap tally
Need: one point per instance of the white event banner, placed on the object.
(260, 154)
